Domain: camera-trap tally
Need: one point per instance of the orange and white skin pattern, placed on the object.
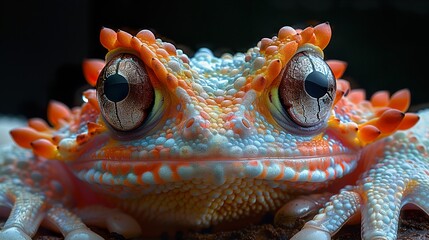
(167, 143)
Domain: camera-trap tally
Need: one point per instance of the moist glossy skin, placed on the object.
(180, 143)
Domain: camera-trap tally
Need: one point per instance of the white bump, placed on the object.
(236, 151)
(289, 173)
(273, 171)
(252, 170)
(239, 82)
(318, 176)
(174, 65)
(258, 63)
(147, 177)
(107, 178)
(132, 178)
(251, 150)
(303, 176)
(165, 173)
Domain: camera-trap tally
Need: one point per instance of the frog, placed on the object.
(166, 143)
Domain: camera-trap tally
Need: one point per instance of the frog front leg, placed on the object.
(399, 176)
(38, 192)
(35, 193)
(29, 209)
(26, 213)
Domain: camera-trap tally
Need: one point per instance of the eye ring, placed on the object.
(125, 93)
(305, 94)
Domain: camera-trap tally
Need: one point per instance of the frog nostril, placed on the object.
(241, 126)
(246, 122)
(189, 122)
(195, 127)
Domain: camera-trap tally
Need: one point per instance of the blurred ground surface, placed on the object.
(414, 225)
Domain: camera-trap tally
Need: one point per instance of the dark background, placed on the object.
(42, 44)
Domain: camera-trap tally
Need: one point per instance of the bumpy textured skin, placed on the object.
(213, 142)
(398, 175)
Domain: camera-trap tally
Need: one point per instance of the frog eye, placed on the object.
(124, 92)
(307, 90)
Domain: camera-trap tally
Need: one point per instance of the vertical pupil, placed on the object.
(116, 87)
(316, 84)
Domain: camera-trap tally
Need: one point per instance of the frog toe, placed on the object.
(13, 233)
(27, 211)
(420, 196)
(82, 234)
(380, 216)
(113, 220)
(341, 208)
(70, 225)
(302, 207)
(311, 233)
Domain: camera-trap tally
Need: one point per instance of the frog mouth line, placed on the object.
(293, 169)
